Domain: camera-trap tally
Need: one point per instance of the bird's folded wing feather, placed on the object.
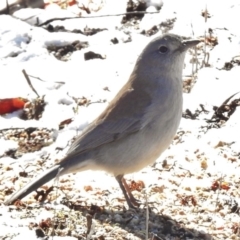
(115, 122)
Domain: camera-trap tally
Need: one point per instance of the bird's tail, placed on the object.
(35, 184)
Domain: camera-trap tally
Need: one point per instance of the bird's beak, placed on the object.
(189, 43)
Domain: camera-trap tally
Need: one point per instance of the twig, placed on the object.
(147, 216)
(218, 191)
(96, 16)
(205, 41)
(38, 78)
(29, 81)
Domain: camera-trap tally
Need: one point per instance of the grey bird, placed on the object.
(138, 124)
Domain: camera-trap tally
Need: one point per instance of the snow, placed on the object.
(24, 46)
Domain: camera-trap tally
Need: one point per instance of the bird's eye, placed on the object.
(163, 49)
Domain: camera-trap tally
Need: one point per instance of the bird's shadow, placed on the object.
(109, 221)
(136, 222)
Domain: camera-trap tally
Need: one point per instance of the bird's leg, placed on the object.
(131, 200)
(131, 197)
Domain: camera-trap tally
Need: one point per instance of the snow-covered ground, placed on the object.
(198, 159)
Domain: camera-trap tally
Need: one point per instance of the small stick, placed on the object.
(96, 16)
(38, 78)
(29, 81)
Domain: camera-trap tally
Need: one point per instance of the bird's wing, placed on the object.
(115, 122)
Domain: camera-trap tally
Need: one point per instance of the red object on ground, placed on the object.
(9, 105)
